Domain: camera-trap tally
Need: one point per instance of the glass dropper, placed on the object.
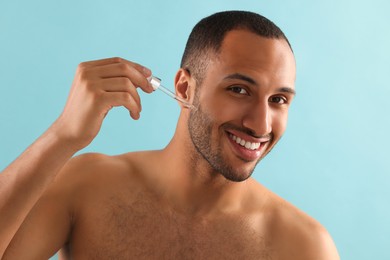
(156, 84)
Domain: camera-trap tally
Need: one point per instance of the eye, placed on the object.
(238, 90)
(278, 100)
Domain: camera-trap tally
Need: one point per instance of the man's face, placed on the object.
(243, 103)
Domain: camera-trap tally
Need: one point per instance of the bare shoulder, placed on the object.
(88, 177)
(94, 166)
(304, 236)
(296, 235)
(89, 169)
(100, 168)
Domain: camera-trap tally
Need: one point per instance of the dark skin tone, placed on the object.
(176, 203)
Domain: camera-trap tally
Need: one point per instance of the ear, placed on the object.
(184, 86)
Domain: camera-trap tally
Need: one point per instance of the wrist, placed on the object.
(57, 136)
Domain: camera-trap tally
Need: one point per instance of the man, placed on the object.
(195, 198)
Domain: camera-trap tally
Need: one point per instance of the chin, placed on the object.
(237, 178)
(238, 174)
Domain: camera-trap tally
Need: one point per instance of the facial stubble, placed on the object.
(200, 127)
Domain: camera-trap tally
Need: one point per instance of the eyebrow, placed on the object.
(253, 82)
(241, 77)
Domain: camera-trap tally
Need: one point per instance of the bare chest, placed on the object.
(144, 230)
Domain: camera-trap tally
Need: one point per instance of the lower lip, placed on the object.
(243, 153)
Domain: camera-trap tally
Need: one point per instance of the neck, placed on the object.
(192, 185)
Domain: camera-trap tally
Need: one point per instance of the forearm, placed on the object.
(24, 181)
(97, 88)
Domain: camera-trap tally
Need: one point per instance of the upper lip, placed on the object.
(247, 137)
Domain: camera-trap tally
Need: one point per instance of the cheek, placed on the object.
(212, 107)
(226, 113)
(279, 123)
(223, 109)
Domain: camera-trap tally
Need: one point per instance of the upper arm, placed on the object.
(43, 232)
(319, 245)
(314, 242)
(47, 226)
(303, 237)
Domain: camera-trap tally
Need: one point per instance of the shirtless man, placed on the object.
(192, 200)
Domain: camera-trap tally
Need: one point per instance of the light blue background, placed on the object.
(332, 162)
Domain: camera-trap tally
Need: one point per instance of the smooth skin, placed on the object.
(98, 86)
(172, 203)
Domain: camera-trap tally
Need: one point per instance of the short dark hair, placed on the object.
(207, 36)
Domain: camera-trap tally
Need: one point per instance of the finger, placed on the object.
(100, 62)
(121, 84)
(121, 63)
(142, 69)
(116, 99)
(122, 70)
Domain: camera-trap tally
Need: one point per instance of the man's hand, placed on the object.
(99, 86)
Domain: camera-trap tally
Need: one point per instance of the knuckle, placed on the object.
(123, 67)
(126, 97)
(81, 66)
(117, 59)
(130, 101)
(84, 76)
(82, 72)
(125, 81)
(137, 66)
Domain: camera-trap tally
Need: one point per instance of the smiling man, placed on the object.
(195, 199)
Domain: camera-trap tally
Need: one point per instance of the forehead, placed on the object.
(244, 52)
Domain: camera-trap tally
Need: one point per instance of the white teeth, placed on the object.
(247, 145)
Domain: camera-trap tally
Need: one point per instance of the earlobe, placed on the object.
(184, 85)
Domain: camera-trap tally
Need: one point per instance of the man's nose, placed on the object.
(259, 119)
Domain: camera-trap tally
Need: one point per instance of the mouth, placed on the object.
(248, 145)
(245, 147)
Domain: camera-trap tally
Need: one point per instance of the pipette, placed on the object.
(156, 84)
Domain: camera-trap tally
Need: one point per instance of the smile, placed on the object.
(248, 145)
